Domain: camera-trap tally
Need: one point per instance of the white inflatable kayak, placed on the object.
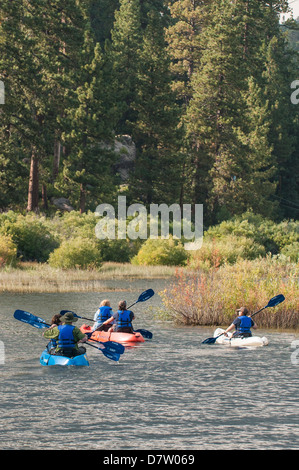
(252, 341)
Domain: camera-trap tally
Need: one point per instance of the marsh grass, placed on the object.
(31, 277)
(212, 297)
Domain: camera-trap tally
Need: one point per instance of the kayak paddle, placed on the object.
(272, 303)
(108, 353)
(147, 294)
(111, 347)
(145, 333)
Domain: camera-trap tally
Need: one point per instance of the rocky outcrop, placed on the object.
(125, 147)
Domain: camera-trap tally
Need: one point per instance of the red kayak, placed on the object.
(122, 338)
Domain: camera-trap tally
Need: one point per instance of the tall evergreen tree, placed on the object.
(89, 137)
(155, 133)
(38, 47)
(218, 115)
(125, 52)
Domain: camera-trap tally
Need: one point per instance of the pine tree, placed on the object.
(156, 178)
(89, 137)
(219, 116)
(36, 52)
(278, 73)
(125, 51)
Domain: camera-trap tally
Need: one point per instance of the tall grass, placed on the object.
(212, 297)
(37, 277)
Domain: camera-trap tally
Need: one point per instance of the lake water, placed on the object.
(168, 393)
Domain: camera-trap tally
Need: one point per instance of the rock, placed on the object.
(63, 204)
(125, 147)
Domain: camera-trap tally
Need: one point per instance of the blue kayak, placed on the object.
(47, 359)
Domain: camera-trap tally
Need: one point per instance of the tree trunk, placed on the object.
(82, 199)
(32, 205)
(56, 160)
(45, 196)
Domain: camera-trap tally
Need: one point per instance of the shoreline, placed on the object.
(32, 277)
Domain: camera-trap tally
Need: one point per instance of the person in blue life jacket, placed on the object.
(122, 319)
(242, 324)
(65, 337)
(102, 314)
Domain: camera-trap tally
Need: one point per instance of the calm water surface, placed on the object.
(167, 393)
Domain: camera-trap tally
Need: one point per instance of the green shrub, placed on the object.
(161, 252)
(74, 224)
(76, 253)
(291, 251)
(226, 250)
(8, 251)
(31, 234)
(272, 236)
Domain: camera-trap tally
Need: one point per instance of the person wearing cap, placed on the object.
(67, 336)
(242, 324)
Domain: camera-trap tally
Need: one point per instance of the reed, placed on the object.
(212, 297)
(31, 277)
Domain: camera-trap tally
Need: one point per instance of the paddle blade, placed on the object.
(63, 312)
(107, 352)
(276, 300)
(113, 356)
(145, 333)
(146, 295)
(209, 341)
(114, 347)
(32, 320)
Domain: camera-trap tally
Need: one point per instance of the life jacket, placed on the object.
(124, 319)
(103, 314)
(245, 324)
(66, 338)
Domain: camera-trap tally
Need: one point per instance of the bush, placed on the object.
(212, 297)
(273, 237)
(226, 250)
(291, 252)
(161, 252)
(76, 253)
(8, 251)
(74, 224)
(31, 234)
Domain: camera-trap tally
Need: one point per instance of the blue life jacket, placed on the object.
(66, 338)
(124, 319)
(103, 314)
(245, 324)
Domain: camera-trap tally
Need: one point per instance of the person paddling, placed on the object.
(242, 324)
(102, 314)
(123, 319)
(67, 337)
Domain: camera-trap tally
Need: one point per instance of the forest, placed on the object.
(201, 87)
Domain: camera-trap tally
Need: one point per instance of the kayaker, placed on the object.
(123, 319)
(102, 314)
(67, 336)
(242, 324)
(56, 320)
